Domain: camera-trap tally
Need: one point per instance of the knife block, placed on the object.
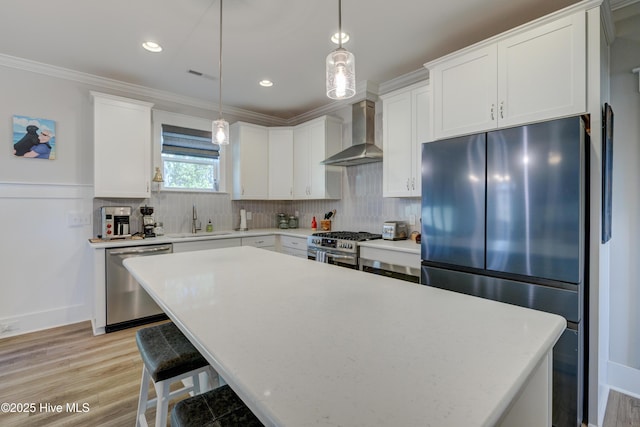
(325, 224)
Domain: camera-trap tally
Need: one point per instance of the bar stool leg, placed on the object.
(162, 403)
(142, 400)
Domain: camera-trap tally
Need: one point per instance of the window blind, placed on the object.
(188, 142)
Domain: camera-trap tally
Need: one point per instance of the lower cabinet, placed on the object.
(264, 242)
(201, 245)
(296, 246)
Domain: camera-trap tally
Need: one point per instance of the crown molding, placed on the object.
(606, 19)
(142, 91)
(365, 89)
(619, 4)
(405, 80)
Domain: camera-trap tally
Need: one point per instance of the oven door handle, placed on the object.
(337, 256)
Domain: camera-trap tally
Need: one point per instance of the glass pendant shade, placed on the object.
(220, 132)
(341, 74)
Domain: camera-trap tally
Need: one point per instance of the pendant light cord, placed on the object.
(220, 66)
(339, 24)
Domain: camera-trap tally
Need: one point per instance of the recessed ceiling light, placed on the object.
(266, 83)
(345, 38)
(152, 46)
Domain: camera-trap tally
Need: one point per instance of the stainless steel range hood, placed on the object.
(363, 150)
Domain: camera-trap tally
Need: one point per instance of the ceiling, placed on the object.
(285, 41)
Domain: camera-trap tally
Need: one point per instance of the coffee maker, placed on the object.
(115, 222)
(148, 223)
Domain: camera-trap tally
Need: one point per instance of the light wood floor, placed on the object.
(622, 411)
(69, 365)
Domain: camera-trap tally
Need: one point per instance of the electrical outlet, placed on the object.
(78, 219)
(412, 219)
(249, 216)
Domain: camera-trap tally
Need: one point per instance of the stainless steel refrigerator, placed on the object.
(504, 218)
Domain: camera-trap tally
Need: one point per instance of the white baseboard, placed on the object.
(32, 322)
(624, 379)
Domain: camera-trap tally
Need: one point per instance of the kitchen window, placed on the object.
(190, 161)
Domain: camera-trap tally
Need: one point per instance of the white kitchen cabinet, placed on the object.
(264, 242)
(530, 74)
(295, 246)
(405, 126)
(250, 161)
(280, 163)
(201, 245)
(122, 147)
(313, 142)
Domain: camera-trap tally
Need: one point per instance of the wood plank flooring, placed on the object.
(622, 411)
(68, 365)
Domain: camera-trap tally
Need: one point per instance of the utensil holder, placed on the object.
(325, 224)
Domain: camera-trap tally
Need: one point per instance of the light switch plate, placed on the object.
(78, 219)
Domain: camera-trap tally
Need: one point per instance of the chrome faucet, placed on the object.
(194, 221)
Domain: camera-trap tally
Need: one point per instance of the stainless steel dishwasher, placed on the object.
(128, 304)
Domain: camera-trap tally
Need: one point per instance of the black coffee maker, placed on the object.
(148, 223)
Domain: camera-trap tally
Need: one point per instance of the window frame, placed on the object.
(159, 118)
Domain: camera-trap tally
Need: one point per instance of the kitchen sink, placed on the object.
(205, 234)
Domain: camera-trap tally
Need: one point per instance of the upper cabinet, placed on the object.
(281, 163)
(533, 73)
(313, 142)
(405, 126)
(250, 161)
(122, 147)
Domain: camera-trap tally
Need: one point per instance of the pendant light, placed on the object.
(341, 68)
(221, 126)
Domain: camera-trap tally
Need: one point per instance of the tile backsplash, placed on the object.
(362, 207)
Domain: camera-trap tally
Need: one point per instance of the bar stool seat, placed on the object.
(219, 407)
(168, 357)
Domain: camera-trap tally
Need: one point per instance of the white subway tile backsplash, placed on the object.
(362, 207)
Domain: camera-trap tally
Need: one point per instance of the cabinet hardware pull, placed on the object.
(407, 183)
(502, 109)
(492, 111)
(413, 183)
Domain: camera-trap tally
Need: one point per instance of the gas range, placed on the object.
(338, 247)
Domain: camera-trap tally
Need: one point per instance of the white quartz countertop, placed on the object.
(311, 344)
(408, 246)
(186, 237)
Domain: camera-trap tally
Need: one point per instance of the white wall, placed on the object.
(44, 265)
(624, 357)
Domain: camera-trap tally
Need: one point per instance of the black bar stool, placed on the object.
(219, 407)
(168, 357)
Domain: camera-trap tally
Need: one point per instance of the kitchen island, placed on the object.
(306, 343)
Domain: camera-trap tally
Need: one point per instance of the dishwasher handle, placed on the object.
(141, 251)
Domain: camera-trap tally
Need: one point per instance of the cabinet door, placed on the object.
(317, 153)
(268, 242)
(250, 162)
(280, 164)
(397, 145)
(421, 132)
(464, 91)
(313, 142)
(301, 155)
(122, 147)
(202, 245)
(542, 72)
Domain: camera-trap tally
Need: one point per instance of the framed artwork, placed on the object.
(34, 138)
(607, 170)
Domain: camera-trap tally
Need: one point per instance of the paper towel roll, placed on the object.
(243, 219)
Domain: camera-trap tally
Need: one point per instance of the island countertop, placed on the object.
(312, 344)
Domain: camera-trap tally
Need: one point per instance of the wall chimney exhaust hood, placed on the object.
(363, 149)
